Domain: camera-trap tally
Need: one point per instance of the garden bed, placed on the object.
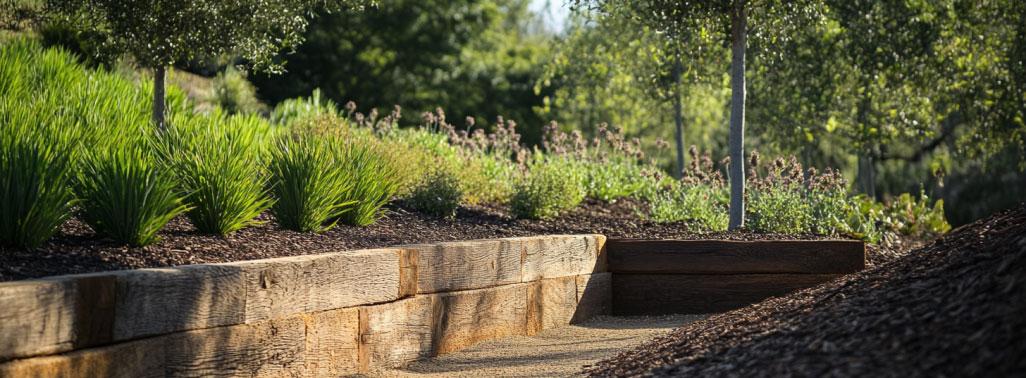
(76, 249)
(953, 308)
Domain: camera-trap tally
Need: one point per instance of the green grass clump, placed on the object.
(551, 187)
(308, 183)
(375, 182)
(438, 195)
(36, 164)
(218, 161)
(126, 195)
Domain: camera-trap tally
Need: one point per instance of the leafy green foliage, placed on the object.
(295, 109)
(703, 206)
(551, 187)
(126, 195)
(218, 161)
(439, 195)
(779, 210)
(233, 93)
(609, 163)
(308, 184)
(36, 162)
(475, 58)
(915, 217)
(162, 32)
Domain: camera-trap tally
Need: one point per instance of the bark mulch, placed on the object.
(956, 307)
(76, 249)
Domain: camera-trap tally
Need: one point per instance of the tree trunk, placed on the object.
(678, 117)
(739, 36)
(158, 98)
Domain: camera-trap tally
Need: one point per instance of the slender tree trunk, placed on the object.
(739, 38)
(678, 117)
(158, 98)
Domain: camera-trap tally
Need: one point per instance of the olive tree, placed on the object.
(685, 19)
(160, 33)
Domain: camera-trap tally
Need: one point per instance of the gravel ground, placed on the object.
(954, 308)
(77, 249)
(557, 352)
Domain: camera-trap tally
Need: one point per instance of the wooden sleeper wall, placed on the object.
(318, 315)
(655, 277)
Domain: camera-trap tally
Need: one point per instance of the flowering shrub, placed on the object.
(552, 186)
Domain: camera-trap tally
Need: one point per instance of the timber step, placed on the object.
(656, 277)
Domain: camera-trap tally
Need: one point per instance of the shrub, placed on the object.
(915, 217)
(551, 187)
(297, 108)
(233, 93)
(699, 198)
(308, 183)
(35, 169)
(777, 201)
(702, 206)
(438, 195)
(218, 161)
(779, 210)
(612, 180)
(610, 163)
(126, 196)
(374, 182)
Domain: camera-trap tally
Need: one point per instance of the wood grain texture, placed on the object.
(408, 261)
(282, 287)
(551, 303)
(397, 333)
(736, 257)
(594, 296)
(660, 294)
(466, 265)
(54, 315)
(468, 317)
(161, 301)
(332, 343)
(274, 348)
(562, 255)
(393, 334)
(135, 359)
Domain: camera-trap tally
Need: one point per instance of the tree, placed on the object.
(684, 19)
(159, 33)
(475, 58)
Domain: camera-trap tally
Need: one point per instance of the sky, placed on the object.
(553, 12)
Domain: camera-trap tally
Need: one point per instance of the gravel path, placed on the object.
(558, 352)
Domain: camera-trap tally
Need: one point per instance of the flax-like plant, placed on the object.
(307, 182)
(36, 163)
(218, 161)
(126, 195)
(375, 183)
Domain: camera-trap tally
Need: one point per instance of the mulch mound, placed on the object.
(77, 249)
(954, 308)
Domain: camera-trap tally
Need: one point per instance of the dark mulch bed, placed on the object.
(954, 308)
(78, 250)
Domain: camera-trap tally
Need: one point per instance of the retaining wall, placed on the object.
(358, 311)
(652, 277)
(318, 315)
